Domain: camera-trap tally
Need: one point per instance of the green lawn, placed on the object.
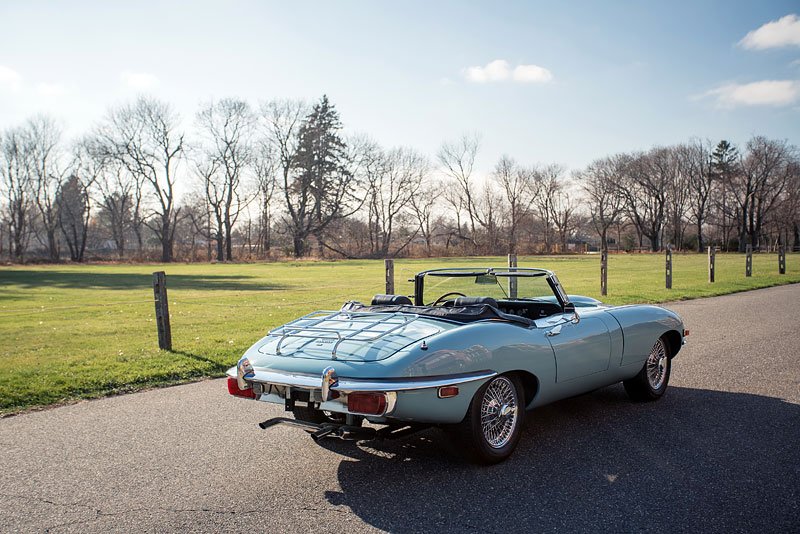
(69, 332)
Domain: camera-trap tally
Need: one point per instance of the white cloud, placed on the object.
(775, 34)
(532, 74)
(494, 71)
(50, 89)
(500, 70)
(9, 78)
(763, 93)
(138, 80)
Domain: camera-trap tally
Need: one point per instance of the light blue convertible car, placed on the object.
(475, 349)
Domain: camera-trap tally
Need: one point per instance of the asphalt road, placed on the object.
(719, 453)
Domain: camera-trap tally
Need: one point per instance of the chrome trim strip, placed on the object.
(410, 384)
(300, 380)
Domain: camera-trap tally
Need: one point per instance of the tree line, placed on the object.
(284, 179)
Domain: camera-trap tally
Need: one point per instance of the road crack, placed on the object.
(98, 514)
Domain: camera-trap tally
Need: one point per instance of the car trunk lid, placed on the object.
(349, 336)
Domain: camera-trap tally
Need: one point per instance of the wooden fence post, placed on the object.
(748, 262)
(162, 310)
(781, 260)
(389, 265)
(711, 263)
(512, 280)
(604, 272)
(668, 271)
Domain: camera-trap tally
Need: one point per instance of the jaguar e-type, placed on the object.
(473, 351)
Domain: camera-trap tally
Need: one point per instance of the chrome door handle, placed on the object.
(554, 332)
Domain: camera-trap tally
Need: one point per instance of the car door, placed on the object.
(581, 348)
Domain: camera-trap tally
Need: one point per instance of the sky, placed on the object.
(544, 82)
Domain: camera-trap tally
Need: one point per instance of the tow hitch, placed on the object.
(343, 431)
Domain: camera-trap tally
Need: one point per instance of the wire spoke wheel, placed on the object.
(498, 417)
(657, 364)
(493, 424)
(651, 381)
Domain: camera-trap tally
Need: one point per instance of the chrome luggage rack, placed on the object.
(362, 327)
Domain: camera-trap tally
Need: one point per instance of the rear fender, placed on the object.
(500, 347)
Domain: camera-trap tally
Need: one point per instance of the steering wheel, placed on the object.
(441, 299)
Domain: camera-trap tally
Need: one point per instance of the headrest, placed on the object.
(471, 301)
(391, 300)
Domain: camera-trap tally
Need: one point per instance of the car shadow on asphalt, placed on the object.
(696, 459)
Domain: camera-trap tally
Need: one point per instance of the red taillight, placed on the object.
(445, 392)
(685, 332)
(367, 403)
(234, 389)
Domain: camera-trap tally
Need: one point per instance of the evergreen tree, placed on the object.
(723, 165)
(73, 209)
(319, 193)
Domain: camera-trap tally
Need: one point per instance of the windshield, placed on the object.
(500, 285)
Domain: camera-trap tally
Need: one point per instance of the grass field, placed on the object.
(75, 331)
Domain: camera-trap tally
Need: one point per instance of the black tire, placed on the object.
(312, 415)
(651, 382)
(469, 435)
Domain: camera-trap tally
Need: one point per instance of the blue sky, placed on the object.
(594, 77)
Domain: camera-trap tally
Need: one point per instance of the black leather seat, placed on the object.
(471, 301)
(391, 300)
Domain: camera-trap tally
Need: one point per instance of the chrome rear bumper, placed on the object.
(306, 381)
(329, 392)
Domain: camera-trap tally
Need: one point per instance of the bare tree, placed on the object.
(47, 174)
(781, 221)
(547, 190)
(458, 163)
(765, 170)
(791, 206)
(144, 138)
(458, 230)
(73, 199)
(563, 207)
(489, 213)
(208, 215)
(198, 213)
(695, 162)
(265, 168)
(677, 193)
(644, 187)
(423, 205)
(393, 179)
(281, 121)
(118, 194)
(17, 185)
(227, 127)
(605, 204)
(517, 185)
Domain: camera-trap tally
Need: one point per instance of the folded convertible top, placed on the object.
(459, 314)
